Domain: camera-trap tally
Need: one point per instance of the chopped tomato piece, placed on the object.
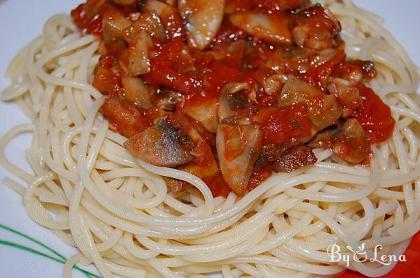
(217, 185)
(318, 76)
(374, 116)
(280, 125)
(107, 78)
(175, 68)
(88, 16)
(258, 176)
(124, 116)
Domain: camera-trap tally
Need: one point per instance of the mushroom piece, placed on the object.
(138, 55)
(169, 17)
(351, 143)
(274, 83)
(202, 20)
(324, 110)
(176, 186)
(315, 28)
(347, 95)
(148, 22)
(269, 27)
(238, 147)
(166, 99)
(136, 91)
(204, 112)
(124, 116)
(294, 158)
(114, 23)
(230, 101)
(161, 145)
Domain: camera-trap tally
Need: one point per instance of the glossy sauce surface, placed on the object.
(270, 83)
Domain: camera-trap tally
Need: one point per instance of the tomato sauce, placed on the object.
(280, 125)
(198, 76)
(374, 116)
(87, 21)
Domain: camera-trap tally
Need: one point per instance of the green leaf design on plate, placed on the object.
(57, 257)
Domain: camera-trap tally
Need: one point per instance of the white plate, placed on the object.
(20, 22)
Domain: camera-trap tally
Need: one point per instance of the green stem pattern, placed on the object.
(59, 257)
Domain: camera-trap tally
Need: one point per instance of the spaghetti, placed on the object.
(88, 190)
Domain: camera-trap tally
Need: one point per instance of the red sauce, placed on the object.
(176, 68)
(217, 185)
(317, 76)
(280, 125)
(107, 78)
(374, 116)
(85, 20)
(237, 132)
(259, 176)
(124, 116)
(265, 5)
(167, 66)
(235, 56)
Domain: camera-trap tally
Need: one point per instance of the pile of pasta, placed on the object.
(117, 211)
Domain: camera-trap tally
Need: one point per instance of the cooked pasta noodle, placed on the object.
(87, 189)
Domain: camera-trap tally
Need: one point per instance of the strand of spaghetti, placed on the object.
(36, 89)
(5, 140)
(303, 267)
(15, 186)
(77, 224)
(69, 264)
(35, 208)
(239, 237)
(181, 175)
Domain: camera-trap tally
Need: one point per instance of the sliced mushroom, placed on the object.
(327, 113)
(230, 101)
(294, 158)
(176, 186)
(205, 112)
(315, 28)
(123, 116)
(324, 110)
(274, 83)
(238, 147)
(161, 145)
(202, 20)
(114, 23)
(269, 27)
(148, 22)
(296, 90)
(351, 143)
(166, 100)
(204, 164)
(162, 9)
(347, 95)
(136, 91)
(324, 139)
(169, 16)
(138, 55)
